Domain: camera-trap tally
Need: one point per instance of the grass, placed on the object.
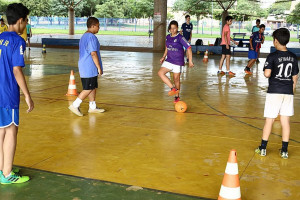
(37, 31)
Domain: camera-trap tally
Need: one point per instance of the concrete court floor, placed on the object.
(142, 141)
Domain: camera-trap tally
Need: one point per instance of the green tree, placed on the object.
(89, 7)
(109, 9)
(193, 7)
(294, 17)
(39, 8)
(279, 7)
(3, 6)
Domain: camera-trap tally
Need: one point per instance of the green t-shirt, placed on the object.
(28, 27)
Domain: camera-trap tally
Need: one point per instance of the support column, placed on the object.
(71, 21)
(160, 23)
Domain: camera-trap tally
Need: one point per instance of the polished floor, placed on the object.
(141, 141)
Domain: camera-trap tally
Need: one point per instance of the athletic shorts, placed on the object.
(89, 83)
(252, 54)
(226, 51)
(282, 104)
(173, 68)
(8, 117)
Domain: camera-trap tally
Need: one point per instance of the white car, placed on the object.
(268, 31)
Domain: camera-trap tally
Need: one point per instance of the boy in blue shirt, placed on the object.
(282, 69)
(12, 47)
(255, 40)
(90, 67)
(186, 31)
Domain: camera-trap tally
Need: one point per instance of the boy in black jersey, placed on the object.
(281, 68)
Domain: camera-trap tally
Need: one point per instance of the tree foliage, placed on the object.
(294, 17)
(109, 10)
(38, 7)
(278, 7)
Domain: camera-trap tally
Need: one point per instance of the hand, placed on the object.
(191, 64)
(252, 48)
(162, 60)
(235, 42)
(227, 46)
(99, 72)
(29, 103)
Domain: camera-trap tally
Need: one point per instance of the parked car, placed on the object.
(268, 31)
(293, 27)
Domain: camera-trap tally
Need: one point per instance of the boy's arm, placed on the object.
(295, 79)
(250, 42)
(22, 84)
(267, 73)
(96, 61)
(190, 40)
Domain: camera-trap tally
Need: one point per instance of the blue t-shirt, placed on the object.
(87, 44)
(175, 54)
(256, 40)
(12, 48)
(186, 30)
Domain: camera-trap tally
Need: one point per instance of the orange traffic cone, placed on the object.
(205, 59)
(72, 91)
(230, 188)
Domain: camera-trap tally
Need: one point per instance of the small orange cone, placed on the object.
(230, 188)
(205, 59)
(72, 91)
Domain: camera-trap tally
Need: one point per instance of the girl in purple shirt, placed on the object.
(173, 59)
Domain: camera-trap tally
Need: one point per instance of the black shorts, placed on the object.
(225, 51)
(89, 83)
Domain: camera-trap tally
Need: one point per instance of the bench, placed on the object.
(244, 48)
(60, 42)
(150, 32)
(239, 34)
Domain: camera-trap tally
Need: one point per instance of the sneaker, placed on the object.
(261, 152)
(96, 110)
(76, 111)
(14, 178)
(221, 73)
(248, 72)
(230, 73)
(16, 170)
(257, 60)
(173, 92)
(284, 154)
(176, 99)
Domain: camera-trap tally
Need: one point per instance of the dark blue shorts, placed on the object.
(8, 117)
(252, 54)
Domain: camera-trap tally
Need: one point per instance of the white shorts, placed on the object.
(282, 104)
(172, 67)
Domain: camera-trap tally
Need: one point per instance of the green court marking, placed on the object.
(49, 185)
(42, 70)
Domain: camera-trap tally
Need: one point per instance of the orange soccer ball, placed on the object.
(180, 106)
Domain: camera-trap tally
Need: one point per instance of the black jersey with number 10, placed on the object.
(284, 65)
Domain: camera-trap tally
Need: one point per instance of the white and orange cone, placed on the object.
(205, 59)
(72, 91)
(230, 188)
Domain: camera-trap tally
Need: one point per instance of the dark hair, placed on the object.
(92, 21)
(187, 16)
(258, 20)
(173, 22)
(282, 35)
(1, 20)
(16, 11)
(228, 18)
(262, 26)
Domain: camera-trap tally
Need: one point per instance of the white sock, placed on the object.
(7, 175)
(93, 105)
(77, 103)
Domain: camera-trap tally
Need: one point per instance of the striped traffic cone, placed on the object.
(230, 188)
(72, 91)
(205, 59)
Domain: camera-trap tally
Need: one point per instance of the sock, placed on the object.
(284, 146)
(77, 103)
(7, 175)
(93, 105)
(263, 144)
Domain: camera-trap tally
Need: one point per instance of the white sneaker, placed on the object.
(76, 111)
(97, 110)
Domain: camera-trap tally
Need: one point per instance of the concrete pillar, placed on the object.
(71, 21)
(160, 23)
